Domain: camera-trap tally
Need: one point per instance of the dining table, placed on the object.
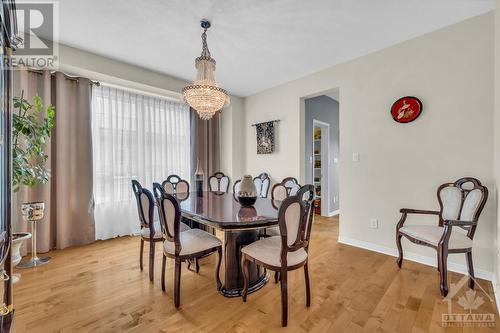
(241, 226)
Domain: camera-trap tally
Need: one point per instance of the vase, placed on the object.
(247, 195)
(17, 241)
(199, 176)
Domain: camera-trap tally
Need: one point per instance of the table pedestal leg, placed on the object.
(35, 260)
(233, 278)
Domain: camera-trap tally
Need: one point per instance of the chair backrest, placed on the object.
(292, 223)
(145, 205)
(175, 184)
(288, 187)
(306, 193)
(262, 183)
(462, 200)
(170, 215)
(219, 182)
(236, 187)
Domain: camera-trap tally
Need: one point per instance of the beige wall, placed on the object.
(401, 165)
(78, 62)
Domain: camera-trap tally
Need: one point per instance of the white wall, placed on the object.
(401, 165)
(496, 165)
(79, 62)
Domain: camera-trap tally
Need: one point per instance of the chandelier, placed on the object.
(204, 95)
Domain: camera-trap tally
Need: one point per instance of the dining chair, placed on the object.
(150, 231)
(219, 182)
(461, 204)
(262, 183)
(286, 252)
(182, 246)
(175, 184)
(287, 187)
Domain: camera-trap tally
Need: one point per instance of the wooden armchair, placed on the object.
(460, 203)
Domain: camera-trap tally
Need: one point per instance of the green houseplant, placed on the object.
(30, 133)
(32, 125)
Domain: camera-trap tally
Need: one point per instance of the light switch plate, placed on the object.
(374, 223)
(355, 157)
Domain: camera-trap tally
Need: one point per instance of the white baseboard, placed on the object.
(334, 213)
(496, 291)
(454, 267)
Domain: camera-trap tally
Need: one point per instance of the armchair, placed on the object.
(460, 204)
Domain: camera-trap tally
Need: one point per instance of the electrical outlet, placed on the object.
(374, 223)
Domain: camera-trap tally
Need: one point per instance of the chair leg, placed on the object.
(217, 271)
(276, 277)
(197, 264)
(439, 263)
(308, 288)
(163, 264)
(244, 270)
(284, 298)
(177, 283)
(141, 254)
(470, 266)
(443, 273)
(151, 260)
(400, 250)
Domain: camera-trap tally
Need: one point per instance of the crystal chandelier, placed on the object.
(204, 95)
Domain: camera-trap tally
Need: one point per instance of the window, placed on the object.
(134, 137)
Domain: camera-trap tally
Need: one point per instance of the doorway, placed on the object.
(320, 157)
(321, 151)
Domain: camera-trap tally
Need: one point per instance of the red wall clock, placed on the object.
(406, 109)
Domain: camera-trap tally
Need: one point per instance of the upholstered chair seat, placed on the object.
(432, 234)
(268, 251)
(158, 233)
(193, 241)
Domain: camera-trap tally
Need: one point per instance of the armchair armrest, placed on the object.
(418, 211)
(459, 223)
(405, 211)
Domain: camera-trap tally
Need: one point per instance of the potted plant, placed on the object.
(31, 129)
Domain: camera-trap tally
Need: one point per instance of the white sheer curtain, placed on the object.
(134, 136)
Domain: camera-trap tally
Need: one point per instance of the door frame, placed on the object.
(325, 164)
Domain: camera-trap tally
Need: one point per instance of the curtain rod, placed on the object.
(270, 121)
(67, 76)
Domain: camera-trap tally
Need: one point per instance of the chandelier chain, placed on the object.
(205, 51)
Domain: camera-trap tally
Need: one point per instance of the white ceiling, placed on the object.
(257, 44)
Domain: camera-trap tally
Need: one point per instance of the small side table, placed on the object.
(33, 212)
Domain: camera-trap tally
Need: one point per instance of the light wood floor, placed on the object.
(99, 288)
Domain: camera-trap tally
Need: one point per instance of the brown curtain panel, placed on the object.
(68, 217)
(205, 145)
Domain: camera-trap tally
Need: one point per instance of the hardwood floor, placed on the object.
(100, 288)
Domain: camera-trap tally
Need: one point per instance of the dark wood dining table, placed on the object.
(241, 227)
